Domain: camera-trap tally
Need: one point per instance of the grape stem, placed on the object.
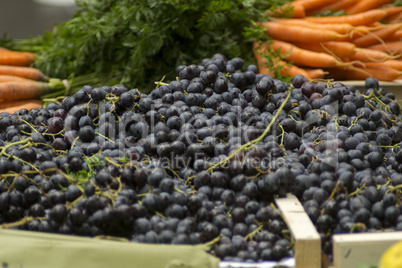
(160, 82)
(359, 226)
(71, 204)
(394, 188)
(4, 148)
(258, 229)
(254, 142)
(21, 222)
(358, 190)
(277, 210)
(376, 99)
(336, 189)
(213, 241)
(282, 138)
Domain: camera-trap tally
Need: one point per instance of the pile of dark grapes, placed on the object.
(200, 160)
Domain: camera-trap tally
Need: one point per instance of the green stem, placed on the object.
(4, 148)
(178, 190)
(213, 241)
(277, 210)
(359, 226)
(376, 99)
(358, 190)
(394, 188)
(104, 137)
(250, 235)
(282, 136)
(252, 143)
(23, 161)
(21, 222)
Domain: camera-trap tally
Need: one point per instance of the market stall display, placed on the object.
(205, 149)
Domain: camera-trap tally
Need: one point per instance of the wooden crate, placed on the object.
(349, 250)
(35, 249)
(60, 248)
(352, 250)
(307, 246)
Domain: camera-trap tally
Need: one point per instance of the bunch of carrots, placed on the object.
(366, 42)
(23, 86)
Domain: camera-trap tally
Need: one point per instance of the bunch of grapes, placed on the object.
(200, 160)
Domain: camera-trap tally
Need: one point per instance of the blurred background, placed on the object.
(21, 19)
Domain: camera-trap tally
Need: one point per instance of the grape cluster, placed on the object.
(200, 160)
(114, 161)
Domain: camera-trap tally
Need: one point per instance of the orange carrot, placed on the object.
(299, 33)
(26, 72)
(393, 48)
(341, 28)
(261, 60)
(28, 106)
(15, 90)
(364, 18)
(397, 18)
(376, 36)
(392, 10)
(360, 31)
(396, 64)
(370, 55)
(263, 68)
(382, 73)
(7, 104)
(259, 50)
(312, 4)
(285, 68)
(346, 50)
(337, 48)
(396, 36)
(29, 54)
(335, 6)
(316, 73)
(375, 24)
(366, 5)
(303, 57)
(15, 58)
(8, 78)
(291, 10)
(291, 70)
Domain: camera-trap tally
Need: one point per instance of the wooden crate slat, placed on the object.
(351, 250)
(307, 240)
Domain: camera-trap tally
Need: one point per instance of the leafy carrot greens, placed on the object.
(137, 42)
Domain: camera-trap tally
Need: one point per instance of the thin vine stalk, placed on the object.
(254, 142)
